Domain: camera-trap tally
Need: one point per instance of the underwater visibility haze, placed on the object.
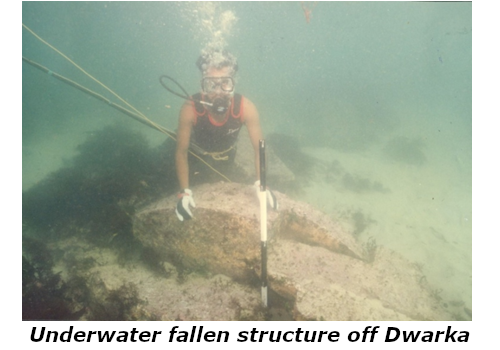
(369, 104)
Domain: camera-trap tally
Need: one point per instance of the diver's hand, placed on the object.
(185, 200)
(271, 198)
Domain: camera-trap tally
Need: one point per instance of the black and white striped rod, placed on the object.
(263, 220)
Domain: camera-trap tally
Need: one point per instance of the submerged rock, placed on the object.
(279, 174)
(312, 261)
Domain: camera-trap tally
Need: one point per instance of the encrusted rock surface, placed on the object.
(321, 269)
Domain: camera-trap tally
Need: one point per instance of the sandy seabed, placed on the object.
(423, 212)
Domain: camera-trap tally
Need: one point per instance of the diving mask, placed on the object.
(210, 84)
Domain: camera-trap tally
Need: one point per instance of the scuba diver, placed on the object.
(212, 119)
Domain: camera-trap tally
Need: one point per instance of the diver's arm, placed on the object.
(251, 120)
(186, 120)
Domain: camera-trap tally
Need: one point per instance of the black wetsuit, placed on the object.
(213, 136)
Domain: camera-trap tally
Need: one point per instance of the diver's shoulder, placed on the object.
(187, 111)
(250, 112)
(247, 102)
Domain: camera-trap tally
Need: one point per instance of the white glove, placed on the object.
(271, 198)
(185, 200)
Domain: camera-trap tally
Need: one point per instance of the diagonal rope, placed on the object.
(139, 115)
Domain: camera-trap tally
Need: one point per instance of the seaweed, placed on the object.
(117, 305)
(436, 294)
(333, 171)
(44, 294)
(153, 261)
(361, 222)
(93, 197)
(114, 171)
(370, 248)
(360, 184)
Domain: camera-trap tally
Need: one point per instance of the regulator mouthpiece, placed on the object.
(220, 105)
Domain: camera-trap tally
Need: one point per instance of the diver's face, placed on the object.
(218, 82)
